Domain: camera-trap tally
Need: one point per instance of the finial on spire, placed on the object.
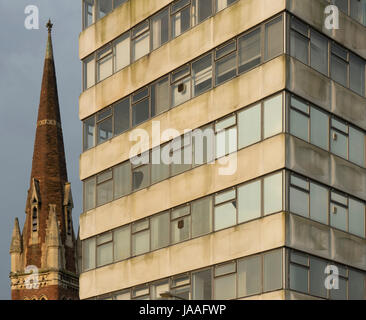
(49, 25)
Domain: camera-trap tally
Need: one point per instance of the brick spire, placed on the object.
(49, 199)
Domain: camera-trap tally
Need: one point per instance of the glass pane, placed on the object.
(299, 202)
(105, 6)
(222, 4)
(299, 47)
(181, 91)
(180, 229)
(273, 116)
(358, 11)
(88, 254)
(249, 50)
(117, 3)
(160, 231)
(159, 170)
(122, 52)
(342, 5)
(140, 177)
(274, 38)
(122, 243)
(89, 194)
(122, 179)
(202, 75)
(273, 194)
(338, 70)
(201, 216)
(249, 123)
(121, 116)
(319, 200)
(140, 242)
(225, 287)
(338, 217)
(225, 215)
(160, 28)
(205, 9)
(89, 72)
(160, 96)
(226, 268)
(141, 46)
(339, 144)
(319, 52)
(298, 278)
(225, 196)
(356, 217)
(202, 289)
(357, 75)
(104, 254)
(272, 271)
(319, 128)
(357, 146)
(140, 112)
(89, 133)
(249, 276)
(226, 68)
(157, 289)
(299, 125)
(181, 21)
(356, 285)
(88, 13)
(105, 130)
(299, 258)
(341, 292)
(105, 64)
(104, 193)
(249, 201)
(317, 277)
(123, 295)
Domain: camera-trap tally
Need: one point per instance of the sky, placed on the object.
(22, 54)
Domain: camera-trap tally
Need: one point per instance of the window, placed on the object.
(249, 201)
(140, 172)
(122, 52)
(338, 211)
(89, 194)
(104, 7)
(160, 28)
(104, 249)
(104, 63)
(159, 288)
(226, 136)
(140, 40)
(104, 125)
(358, 11)
(123, 295)
(180, 224)
(140, 237)
(88, 257)
(89, 133)
(140, 106)
(249, 50)
(181, 85)
(181, 17)
(88, 13)
(250, 276)
(299, 119)
(339, 138)
(319, 199)
(299, 196)
(203, 141)
(141, 292)
(89, 72)
(356, 285)
(225, 210)
(249, 124)
(222, 4)
(272, 270)
(225, 62)
(299, 272)
(202, 74)
(159, 168)
(225, 281)
(317, 277)
(104, 187)
(319, 52)
(272, 189)
(203, 9)
(357, 74)
(339, 64)
(356, 217)
(341, 292)
(342, 5)
(121, 112)
(181, 287)
(160, 96)
(357, 146)
(117, 3)
(202, 285)
(122, 179)
(299, 40)
(160, 231)
(34, 219)
(201, 216)
(273, 116)
(181, 150)
(122, 243)
(319, 129)
(274, 38)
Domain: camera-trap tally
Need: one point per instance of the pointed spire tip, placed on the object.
(49, 25)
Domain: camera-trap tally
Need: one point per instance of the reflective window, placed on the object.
(140, 237)
(140, 107)
(104, 249)
(159, 168)
(319, 199)
(201, 216)
(181, 224)
(140, 173)
(122, 52)
(226, 136)
(249, 201)
(273, 38)
(249, 276)
(160, 96)
(104, 125)
(89, 72)
(356, 285)
(104, 187)
(88, 254)
(357, 146)
(160, 231)
(299, 40)
(121, 116)
(299, 196)
(339, 64)
(317, 277)
(225, 210)
(203, 9)
(358, 10)
(225, 282)
(104, 7)
(122, 243)
(88, 13)
(319, 52)
(319, 129)
(181, 17)
(202, 75)
(356, 217)
(272, 271)
(225, 62)
(202, 285)
(338, 211)
(89, 133)
(272, 189)
(273, 116)
(122, 179)
(299, 276)
(222, 4)
(89, 194)
(160, 28)
(249, 126)
(339, 138)
(104, 63)
(299, 119)
(249, 50)
(140, 40)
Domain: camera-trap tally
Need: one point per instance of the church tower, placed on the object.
(43, 256)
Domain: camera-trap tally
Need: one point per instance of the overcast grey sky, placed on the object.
(21, 64)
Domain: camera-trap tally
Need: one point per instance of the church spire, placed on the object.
(48, 240)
